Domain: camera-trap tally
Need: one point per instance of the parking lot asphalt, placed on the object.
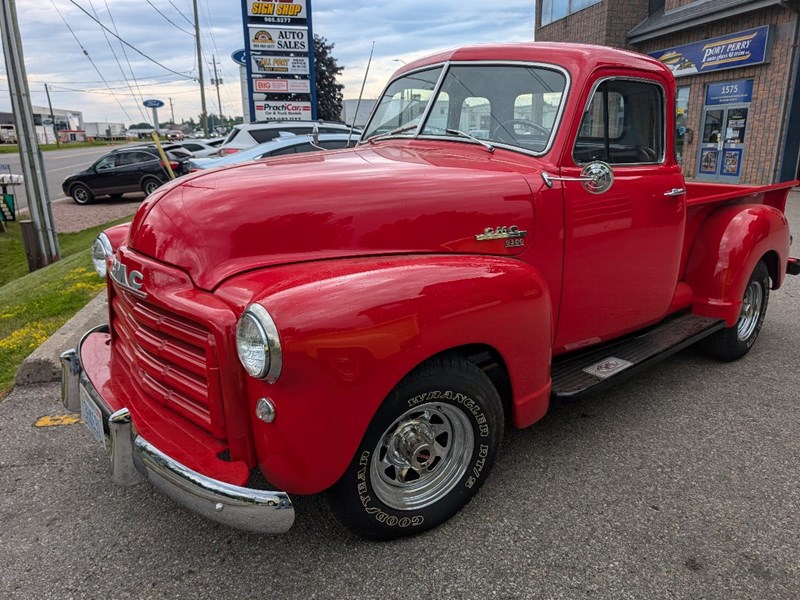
(683, 483)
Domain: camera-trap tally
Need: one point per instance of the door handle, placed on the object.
(675, 192)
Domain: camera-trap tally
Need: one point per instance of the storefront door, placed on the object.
(723, 132)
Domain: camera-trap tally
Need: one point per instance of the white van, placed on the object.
(8, 134)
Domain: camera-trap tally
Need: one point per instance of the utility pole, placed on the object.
(200, 67)
(172, 110)
(30, 154)
(52, 116)
(217, 82)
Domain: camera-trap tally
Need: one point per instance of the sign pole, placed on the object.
(30, 154)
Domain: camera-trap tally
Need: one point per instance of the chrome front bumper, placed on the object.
(134, 459)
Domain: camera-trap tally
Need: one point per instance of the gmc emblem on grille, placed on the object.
(132, 282)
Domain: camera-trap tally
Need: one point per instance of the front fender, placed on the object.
(352, 329)
(728, 246)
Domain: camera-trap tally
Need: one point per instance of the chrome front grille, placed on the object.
(170, 358)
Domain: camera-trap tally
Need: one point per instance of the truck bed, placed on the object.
(717, 193)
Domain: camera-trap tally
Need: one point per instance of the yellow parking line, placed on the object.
(57, 420)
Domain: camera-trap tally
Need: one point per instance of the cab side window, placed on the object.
(624, 124)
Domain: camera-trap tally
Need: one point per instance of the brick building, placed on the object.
(736, 68)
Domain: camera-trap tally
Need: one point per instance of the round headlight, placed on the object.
(258, 344)
(101, 250)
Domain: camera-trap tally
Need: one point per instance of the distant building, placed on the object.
(349, 115)
(736, 64)
(47, 127)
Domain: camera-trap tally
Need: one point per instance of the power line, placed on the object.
(187, 19)
(125, 54)
(63, 89)
(77, 41)
(168, 19)
(116, 59)
(131, 46)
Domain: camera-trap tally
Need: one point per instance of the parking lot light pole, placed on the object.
(30, 153)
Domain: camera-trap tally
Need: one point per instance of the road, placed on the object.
(58, 165)
(679, 484)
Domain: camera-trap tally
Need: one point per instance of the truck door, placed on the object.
(623, 246)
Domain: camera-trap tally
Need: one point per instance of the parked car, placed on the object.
(368, 322)
(129, 169)
(248, 135)
(176, 149)
(201, 148)
(278, 147)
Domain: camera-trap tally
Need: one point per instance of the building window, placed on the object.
(681, 108)
(553, 10)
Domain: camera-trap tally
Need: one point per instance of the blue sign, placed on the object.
(742, 49)
(240, 56)
(729, 92)
(153, 103)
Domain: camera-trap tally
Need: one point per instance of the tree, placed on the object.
(329, 92)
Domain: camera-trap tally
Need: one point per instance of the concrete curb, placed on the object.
(43, 364)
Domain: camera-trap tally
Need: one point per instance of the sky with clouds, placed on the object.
(402, 31)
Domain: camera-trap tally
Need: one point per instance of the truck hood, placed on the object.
(388, 198)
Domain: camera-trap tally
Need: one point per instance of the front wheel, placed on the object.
(150, 185)
(81, 194)
(426, 452)
(734, 342)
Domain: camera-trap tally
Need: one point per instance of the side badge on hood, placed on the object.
(511, 234)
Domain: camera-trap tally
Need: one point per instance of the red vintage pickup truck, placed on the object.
(512, 227)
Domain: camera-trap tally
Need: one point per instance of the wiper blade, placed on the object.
(486, 145)
(397, 131)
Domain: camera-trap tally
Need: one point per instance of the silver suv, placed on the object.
(248, 135)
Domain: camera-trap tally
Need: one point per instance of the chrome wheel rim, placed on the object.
(150, 187)
(81, 195)
(421, 457)
(751, 311)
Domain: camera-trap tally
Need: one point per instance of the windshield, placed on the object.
(403, 103)
(512, 105)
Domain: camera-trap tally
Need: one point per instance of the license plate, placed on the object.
(92, 417)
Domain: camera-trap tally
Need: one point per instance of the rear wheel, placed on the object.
(734, 342)
(81, 194)
(426, 452)
(150, 185)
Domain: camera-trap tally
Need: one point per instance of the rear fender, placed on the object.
(352, 329)
(728, 246)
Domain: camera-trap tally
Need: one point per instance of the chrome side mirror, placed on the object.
(599, 176)
(596, 177)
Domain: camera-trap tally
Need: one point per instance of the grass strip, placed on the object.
(14, 263)
(35, 305)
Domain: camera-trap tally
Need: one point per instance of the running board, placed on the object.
(600, 367)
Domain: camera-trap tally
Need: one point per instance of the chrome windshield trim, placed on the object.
(437, 88)
(443, 66)
(513, 63)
